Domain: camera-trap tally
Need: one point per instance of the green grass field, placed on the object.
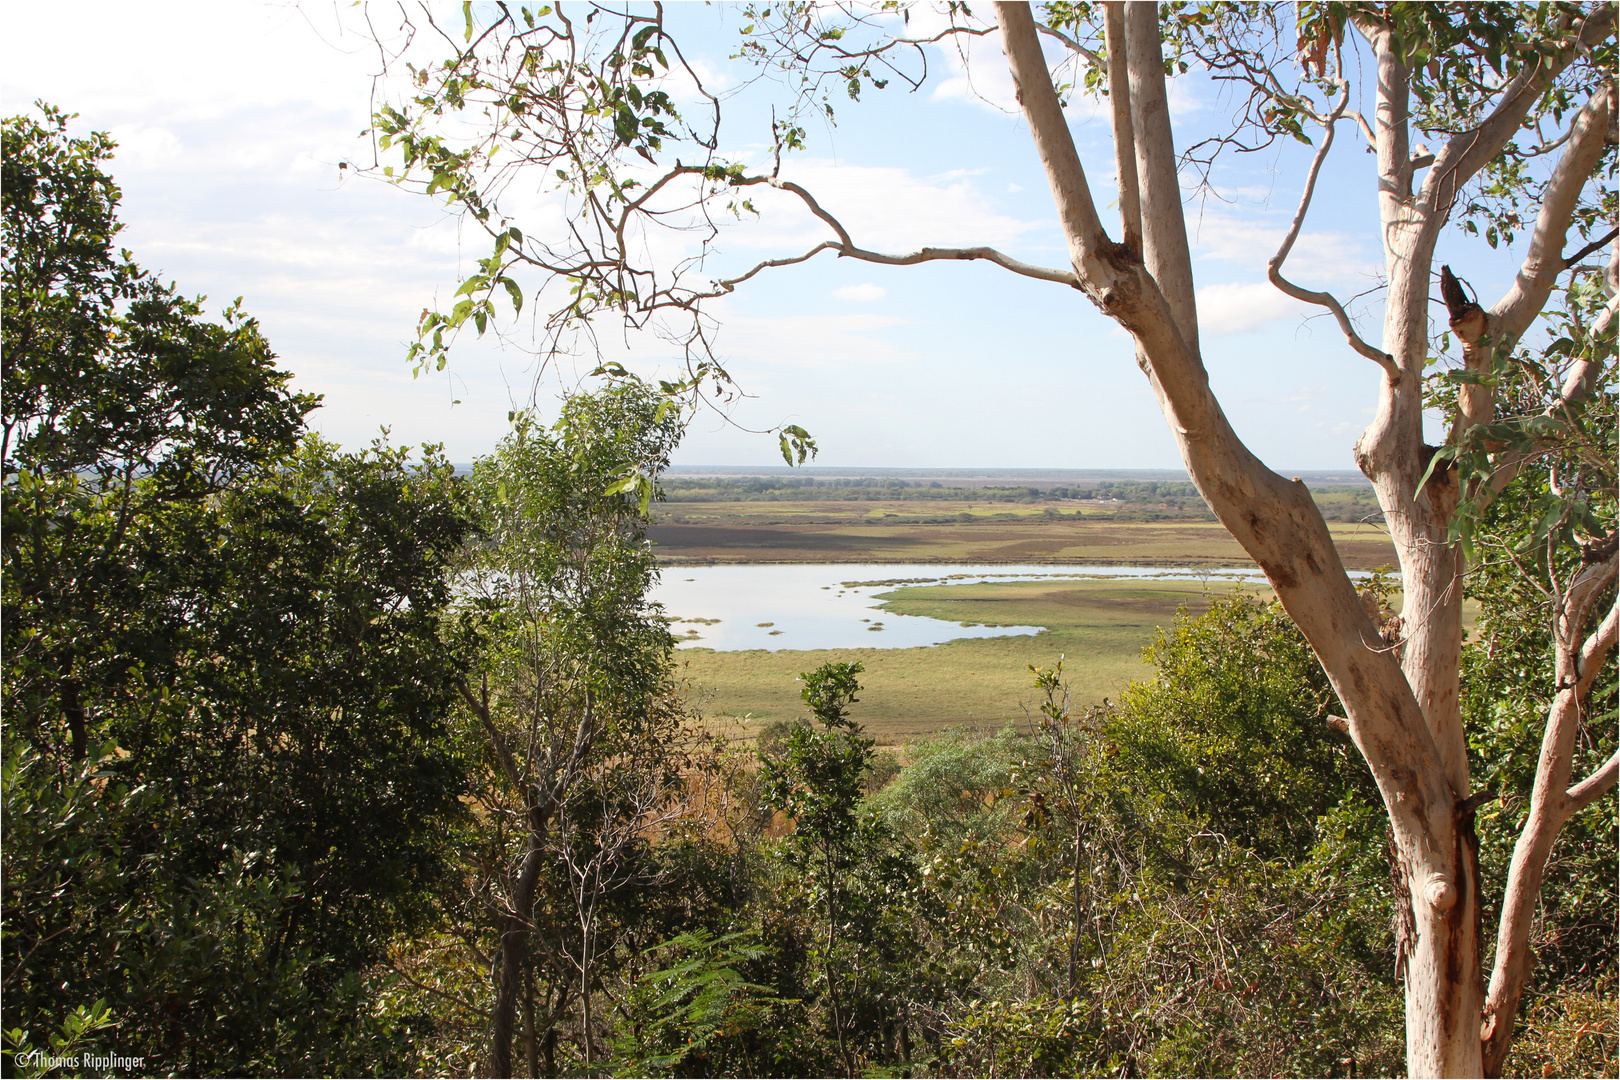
(1099, 627)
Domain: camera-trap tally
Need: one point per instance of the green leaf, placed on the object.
(1445, 453)
(623, 484)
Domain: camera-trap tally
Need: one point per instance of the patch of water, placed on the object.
(835, 606)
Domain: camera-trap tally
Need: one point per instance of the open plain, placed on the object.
(957, 532)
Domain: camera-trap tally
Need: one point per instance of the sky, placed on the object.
(233, 117)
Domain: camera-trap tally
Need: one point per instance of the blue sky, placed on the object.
(233, 117)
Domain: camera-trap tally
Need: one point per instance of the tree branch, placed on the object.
(1041, 273)
(1077, 212)
(1366, 130)
(1390, 132)
(480, 709)
(815, 208)
(1324, 299)
(1581, 253)
(1572, 612)
(1551, 804)
(1074, 46)
(1543, 262)
(1468, 151)
(1164, 229)
(726, 285)
(922, 255)
(846, 248)
(1119, 100)
(1600, 641)
(1595, 786)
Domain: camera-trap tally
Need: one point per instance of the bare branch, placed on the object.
(928, 254)
(1324, 299)
(846, 248)
(1366, 129)
(726, 285)
(1583, 252)
(815, 208)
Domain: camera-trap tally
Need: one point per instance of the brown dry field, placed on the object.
(819, 532)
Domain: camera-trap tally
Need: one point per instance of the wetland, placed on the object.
(969, 594)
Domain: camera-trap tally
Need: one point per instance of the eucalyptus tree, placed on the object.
(603, 109)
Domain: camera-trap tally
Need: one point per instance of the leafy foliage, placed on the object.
(1544, 422)
(700, 1016)
(224, 684)
(1233, 728)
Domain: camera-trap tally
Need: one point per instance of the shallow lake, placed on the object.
(836, 606)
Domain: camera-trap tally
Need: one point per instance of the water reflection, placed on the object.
(834, 606)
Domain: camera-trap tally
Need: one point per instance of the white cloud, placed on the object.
(1233, 309)
(1183, 100)
(810, 341)
(1249, 240)
(863, 293)
(142, 146)
(884, 208)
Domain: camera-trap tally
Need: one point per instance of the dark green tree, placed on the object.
(1235, 728)
(223, 679)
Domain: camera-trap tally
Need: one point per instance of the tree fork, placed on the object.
(1279, 525)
